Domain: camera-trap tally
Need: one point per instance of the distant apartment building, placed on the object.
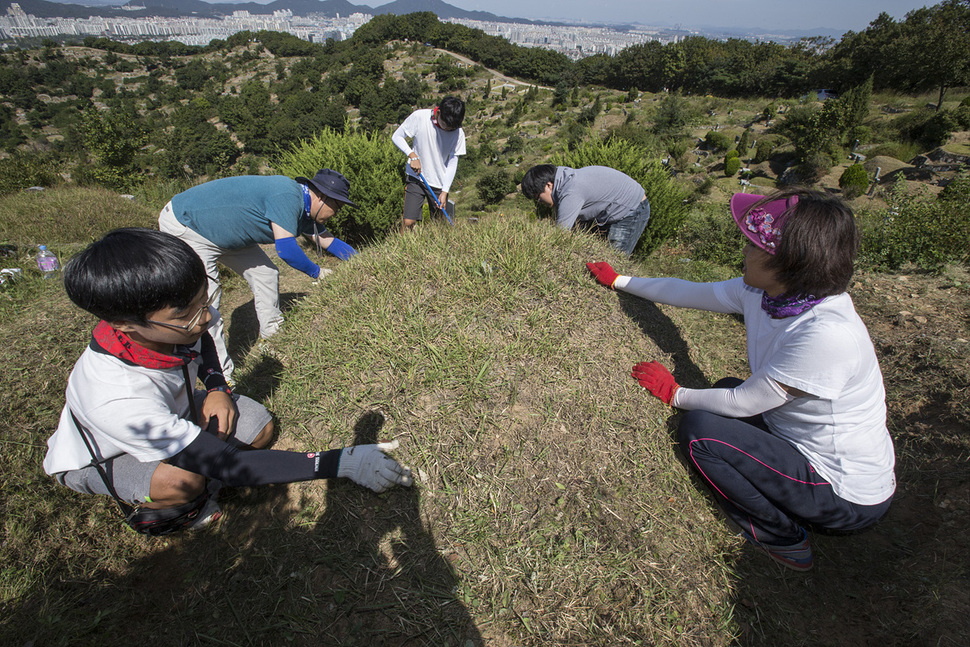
(191, 31)
(575, 41)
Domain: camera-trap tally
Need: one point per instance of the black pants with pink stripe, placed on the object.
(762, 482)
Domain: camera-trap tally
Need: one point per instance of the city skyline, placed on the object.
(694, 14)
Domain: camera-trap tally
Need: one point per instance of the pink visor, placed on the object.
(762, 225)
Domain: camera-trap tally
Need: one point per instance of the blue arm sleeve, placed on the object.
(341, 250)
(289, 250)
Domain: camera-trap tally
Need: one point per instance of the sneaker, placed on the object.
(797, 557)
(210, 513)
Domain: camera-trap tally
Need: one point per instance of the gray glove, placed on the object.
(369, 466)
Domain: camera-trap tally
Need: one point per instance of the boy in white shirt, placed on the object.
(437, 141)
(134, 425)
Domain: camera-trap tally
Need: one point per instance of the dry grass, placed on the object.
(549, 508)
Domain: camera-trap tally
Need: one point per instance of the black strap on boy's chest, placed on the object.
(126, 508)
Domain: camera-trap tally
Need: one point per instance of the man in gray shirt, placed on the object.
(592, 195)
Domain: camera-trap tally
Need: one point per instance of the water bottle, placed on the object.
(47, 262)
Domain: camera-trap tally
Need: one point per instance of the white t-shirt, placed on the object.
(437, 149)
(127, 409)
(840, 427)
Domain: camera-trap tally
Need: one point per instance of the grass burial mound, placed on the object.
(549, 507)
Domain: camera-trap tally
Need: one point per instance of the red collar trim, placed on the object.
(113, 342)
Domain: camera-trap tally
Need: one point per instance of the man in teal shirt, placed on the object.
(226, 220)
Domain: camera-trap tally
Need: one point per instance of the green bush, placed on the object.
(23, 170)
(374, 167)
(717, 141)
(918, 229)
(667, 206)
(745, 141)
(494, 185)
(962, 116)
(731, 166)
(958, 190)
(854, 181)
(732, 154)
(763, 151)
(814, 167)
(931, 128)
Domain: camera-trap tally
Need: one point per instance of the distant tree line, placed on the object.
(174, 113)
(929, 49)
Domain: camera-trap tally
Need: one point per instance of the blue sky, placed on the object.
(841, 15)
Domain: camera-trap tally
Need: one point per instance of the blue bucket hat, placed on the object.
(331, 184)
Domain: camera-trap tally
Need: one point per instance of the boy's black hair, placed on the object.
(451, 112)
(536, 179)
(133, 272)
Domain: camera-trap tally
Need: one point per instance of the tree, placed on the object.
(113, 138)
(937, 48)
(494, 185)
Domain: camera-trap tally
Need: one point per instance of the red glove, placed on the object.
(654, 377)
(603, 273)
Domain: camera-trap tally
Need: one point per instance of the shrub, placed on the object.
(745, 141)
(717, 141)
(931, 128)
(731, 166)
(372, 164)
(732, 154)
(23, 170)
(814, 167)
(672, 116)
(854, 181)
(667, 207)
(958, 190)
(916, 228)
(494, 185)
(763, 151)
(962, 116)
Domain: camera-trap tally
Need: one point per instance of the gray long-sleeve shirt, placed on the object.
(595, 193)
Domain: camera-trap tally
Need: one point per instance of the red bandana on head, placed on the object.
(116, 343)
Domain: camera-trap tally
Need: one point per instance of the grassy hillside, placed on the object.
(549, 507)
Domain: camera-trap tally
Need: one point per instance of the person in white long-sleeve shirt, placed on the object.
(437, 141)
(803, 440)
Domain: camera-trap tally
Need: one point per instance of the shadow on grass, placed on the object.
(390, 582)
(243, 329)
(666, 335)
(366, 572)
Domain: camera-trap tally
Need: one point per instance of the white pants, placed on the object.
(250, 262)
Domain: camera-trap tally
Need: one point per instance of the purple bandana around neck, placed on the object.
(783, 306)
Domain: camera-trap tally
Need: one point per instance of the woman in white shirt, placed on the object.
(803, 440)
